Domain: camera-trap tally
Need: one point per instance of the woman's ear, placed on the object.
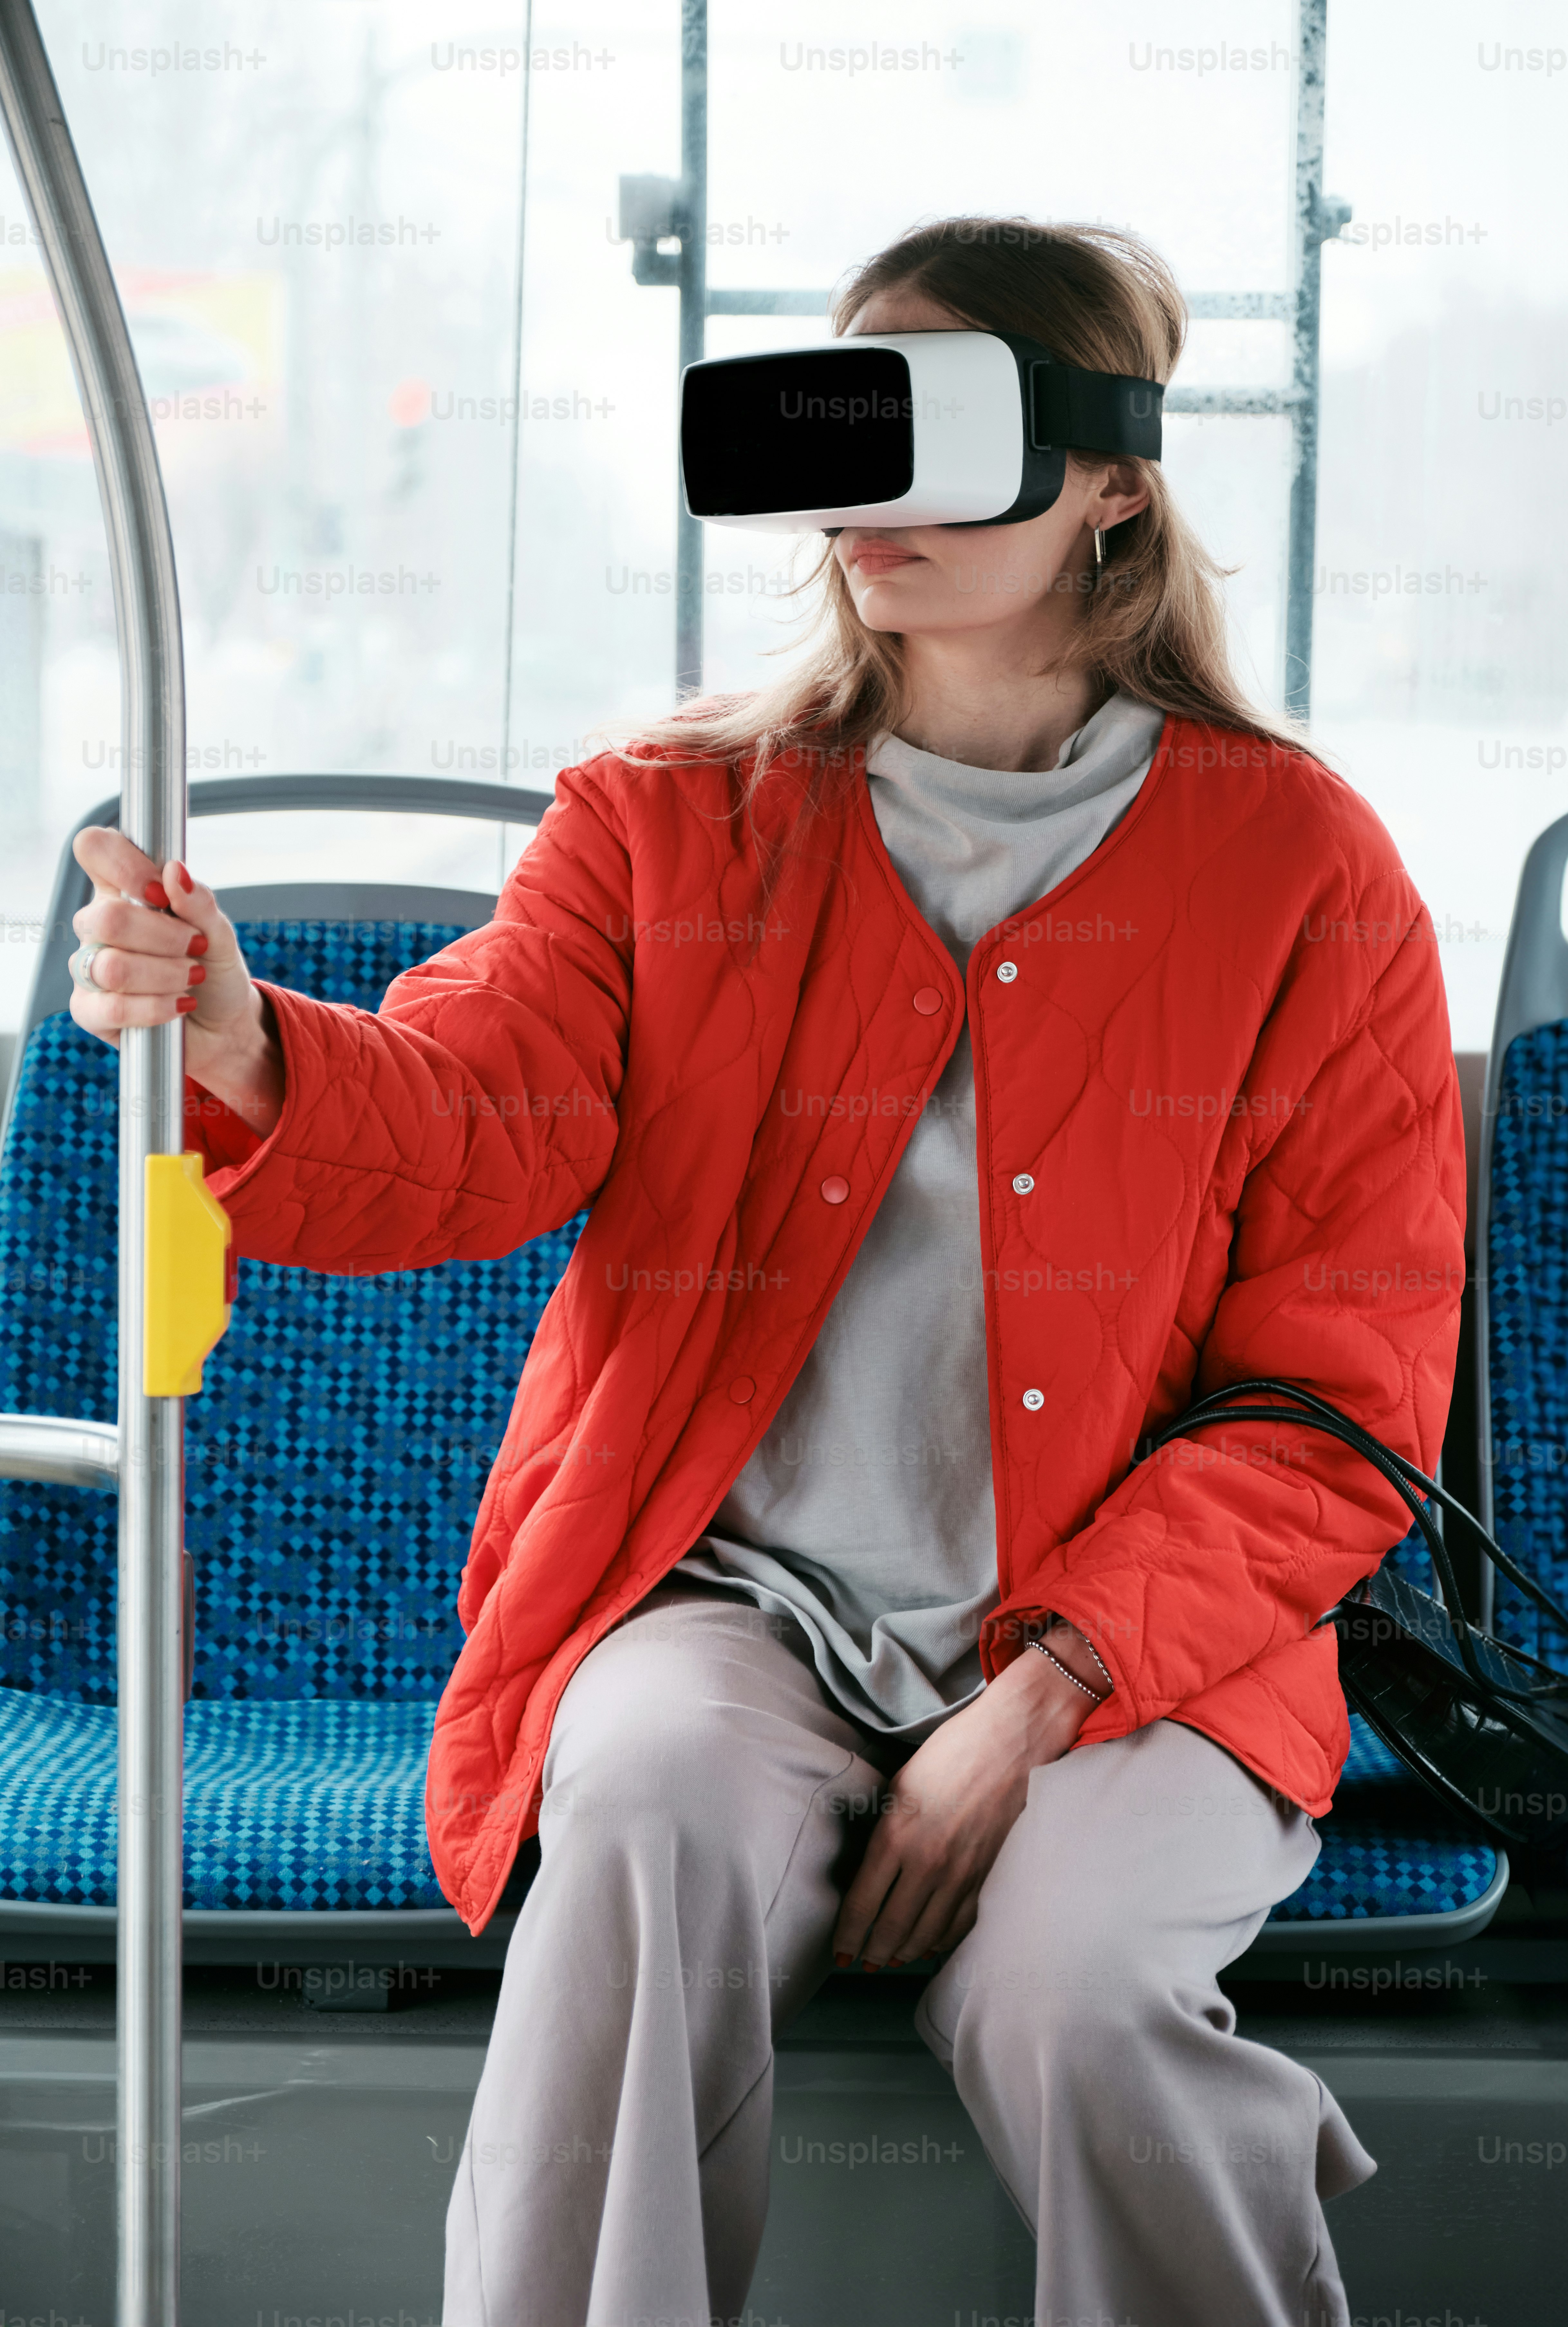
(1121, 494)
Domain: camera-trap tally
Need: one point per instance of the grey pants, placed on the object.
(699, 1819)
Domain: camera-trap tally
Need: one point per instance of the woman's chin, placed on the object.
(882, 605)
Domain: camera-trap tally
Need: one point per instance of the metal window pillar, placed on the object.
(659, 210)
(1316, 219)
(151, 1616)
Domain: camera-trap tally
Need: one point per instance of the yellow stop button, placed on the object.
(185, 1311)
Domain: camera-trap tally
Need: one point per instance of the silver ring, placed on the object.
(81, 965)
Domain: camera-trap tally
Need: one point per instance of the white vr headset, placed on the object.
(899, 428)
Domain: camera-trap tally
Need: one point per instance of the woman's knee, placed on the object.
(630, 1754)
(681, 1749)
(685, 1716)
(1068, 1991)
(1049, 1999)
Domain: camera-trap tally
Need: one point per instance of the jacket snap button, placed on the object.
(742, 1390)
(1034, 1400)
(1007, 971)
(835, 1191)
(1023, 1184)
(929, 1001)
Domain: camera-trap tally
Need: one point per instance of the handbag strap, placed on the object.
(1411, 1484)
(1213, 1401)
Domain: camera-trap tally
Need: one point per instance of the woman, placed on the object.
(968, 1050)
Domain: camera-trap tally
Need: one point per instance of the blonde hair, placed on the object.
(1155, 628)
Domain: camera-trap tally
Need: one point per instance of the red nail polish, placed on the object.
(198, 943)
(187, 1002)
(156, 895)
(183, 877)
(843, 1961)
(894, 1963)
(198, 974)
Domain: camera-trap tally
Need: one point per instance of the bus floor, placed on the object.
(320, 2148)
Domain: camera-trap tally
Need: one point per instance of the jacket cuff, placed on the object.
(223, 1138)
(1007, 1630)
(234, 1152)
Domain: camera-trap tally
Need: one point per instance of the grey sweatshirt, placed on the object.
(867, 1512)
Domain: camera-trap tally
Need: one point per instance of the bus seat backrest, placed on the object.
(336, 1456)
(1527, 1356)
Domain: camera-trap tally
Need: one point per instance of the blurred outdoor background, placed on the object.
(331, 255)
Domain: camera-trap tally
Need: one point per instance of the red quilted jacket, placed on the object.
(1221, 1051)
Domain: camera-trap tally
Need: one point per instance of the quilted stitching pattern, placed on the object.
(1527, 1283)
(576, 1053)
(1252, 946)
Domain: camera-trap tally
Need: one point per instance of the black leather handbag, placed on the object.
(1483, 1725)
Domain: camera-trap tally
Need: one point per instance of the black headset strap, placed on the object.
(1094, 411)
(1069, 409)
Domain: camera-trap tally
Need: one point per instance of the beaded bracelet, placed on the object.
(1093, 1695)
(1110, 1680)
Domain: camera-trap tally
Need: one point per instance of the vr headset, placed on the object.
(905, 428)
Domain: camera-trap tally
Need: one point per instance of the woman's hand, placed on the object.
(951, 1808)
(173, 954)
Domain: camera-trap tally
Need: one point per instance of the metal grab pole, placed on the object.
(152, 1085)
(693, 311)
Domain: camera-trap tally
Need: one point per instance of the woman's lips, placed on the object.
(881, 556)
